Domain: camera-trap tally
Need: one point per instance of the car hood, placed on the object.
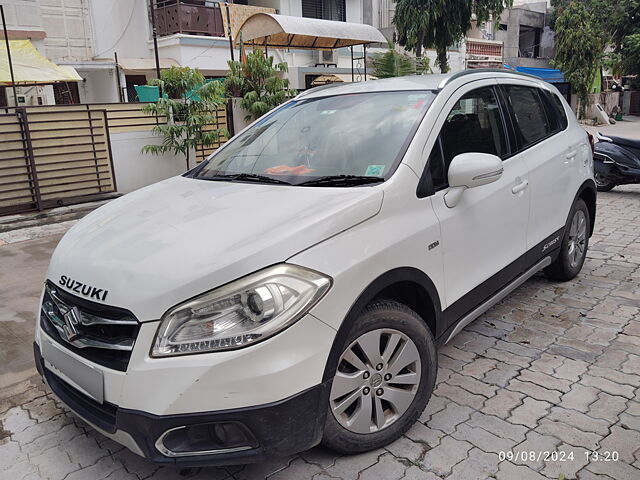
(158, 246)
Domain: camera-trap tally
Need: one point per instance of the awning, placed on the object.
(550, 75)
(142, 65)
(238, 14)
(282, 31)
(30, 67)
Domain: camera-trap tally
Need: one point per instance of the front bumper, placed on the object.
(275, 429)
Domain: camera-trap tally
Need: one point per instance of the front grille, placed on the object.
(102, 334)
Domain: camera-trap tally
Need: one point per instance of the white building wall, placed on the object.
(208, 54)
(291, 7)
(281, 6)
(134, 169)
(22, 15)
(99, 86)
(67, 24)
(353, 10)
(121, 26)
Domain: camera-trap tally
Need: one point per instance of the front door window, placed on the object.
(474, 124)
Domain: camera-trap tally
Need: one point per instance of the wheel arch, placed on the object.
(407, 285)
(587, 192)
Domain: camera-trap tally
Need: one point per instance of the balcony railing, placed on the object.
(485, 48)
(190, 17)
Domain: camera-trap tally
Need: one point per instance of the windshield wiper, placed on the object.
(246, 177)
(342, 180)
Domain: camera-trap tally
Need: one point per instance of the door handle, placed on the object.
(572, 154)
(519, 187)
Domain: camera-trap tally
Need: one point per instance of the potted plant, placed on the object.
(256, 86)
(189, 104)
(392, 64)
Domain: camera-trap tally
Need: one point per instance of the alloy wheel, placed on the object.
(376, 381)
(577, 238)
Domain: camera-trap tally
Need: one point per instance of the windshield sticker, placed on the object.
(374, 170)
(417, 101)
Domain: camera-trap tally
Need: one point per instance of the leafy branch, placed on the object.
(259, 83)
(189, 104)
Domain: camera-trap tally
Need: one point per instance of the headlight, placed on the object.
(240, 313)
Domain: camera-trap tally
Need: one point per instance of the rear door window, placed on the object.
(555, 110)
(532, 123)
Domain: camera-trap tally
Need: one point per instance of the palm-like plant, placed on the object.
(392, 64)
(189, 104)
(259, 82)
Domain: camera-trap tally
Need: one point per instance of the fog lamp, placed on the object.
(205, 439)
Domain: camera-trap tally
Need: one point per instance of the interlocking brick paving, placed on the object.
(553, 368)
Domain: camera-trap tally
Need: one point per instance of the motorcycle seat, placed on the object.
(627, 142)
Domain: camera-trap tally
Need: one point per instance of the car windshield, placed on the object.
(340, 140)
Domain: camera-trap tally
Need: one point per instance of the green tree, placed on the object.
(616, 23)
(440, 23)
(622, 24)
(578, 48)
(189, 104)
(259, 82)
(392, 64)
(631, 58)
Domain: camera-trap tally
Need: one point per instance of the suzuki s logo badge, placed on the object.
(71, 320)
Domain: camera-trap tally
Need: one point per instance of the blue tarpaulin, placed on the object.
(550, 75)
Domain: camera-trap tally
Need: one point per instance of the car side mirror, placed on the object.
(470, 170)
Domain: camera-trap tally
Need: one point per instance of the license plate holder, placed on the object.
(86, 378)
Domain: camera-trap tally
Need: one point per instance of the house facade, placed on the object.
(61, 30)
(110, 43)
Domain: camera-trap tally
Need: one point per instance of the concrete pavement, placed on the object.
(22, 273)
(629, 127)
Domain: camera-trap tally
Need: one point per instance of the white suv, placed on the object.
(294, 287)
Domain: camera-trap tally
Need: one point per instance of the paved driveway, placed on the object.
(527, 391)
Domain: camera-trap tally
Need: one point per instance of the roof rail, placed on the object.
(470, 71)
(317, 89)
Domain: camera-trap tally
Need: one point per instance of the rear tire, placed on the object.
(603, 184)
(575, 243)
(375, 398)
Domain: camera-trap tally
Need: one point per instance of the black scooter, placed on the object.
(616, 162)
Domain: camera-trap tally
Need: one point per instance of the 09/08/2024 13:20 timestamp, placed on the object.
(557, 456)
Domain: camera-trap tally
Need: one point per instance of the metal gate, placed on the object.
(224, 121)
(634, 104)
(52, 157)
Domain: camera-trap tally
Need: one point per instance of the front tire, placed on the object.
(385, 376)
(575, 243)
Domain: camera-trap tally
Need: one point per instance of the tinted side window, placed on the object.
(532, 123)
(557, 110)
(437, 167)
(474, 125)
